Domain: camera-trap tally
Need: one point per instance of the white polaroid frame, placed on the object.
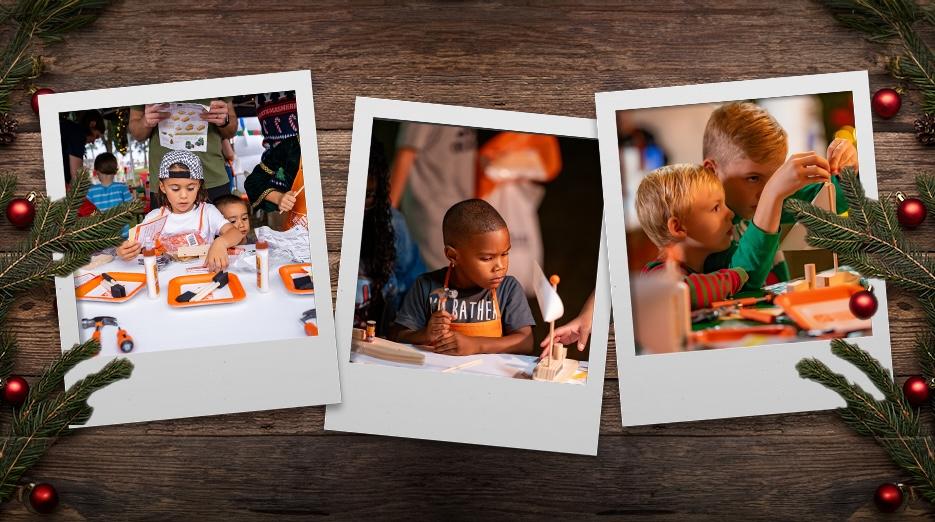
(464, 408)
(216, 379)
(729, 382)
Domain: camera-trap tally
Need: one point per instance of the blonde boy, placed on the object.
(682, 209)
(747, 148)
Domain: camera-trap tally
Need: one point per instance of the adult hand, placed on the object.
(578, 329)
(217, 113)
(154, 113)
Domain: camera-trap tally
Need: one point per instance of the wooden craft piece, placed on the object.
(556, 367)
(193, 251)
(835, 279)
(810, 278)
(385, 349)
(795, 238)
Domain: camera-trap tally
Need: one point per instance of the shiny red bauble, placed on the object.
(863, 304)
(886, 103)
(910, 212)
(15, 390)
(35, 97)
(888, 497)
(43, 498)
(21, 212)
(916, 390)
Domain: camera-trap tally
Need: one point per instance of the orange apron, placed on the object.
(299, 214)
(160, 249)
(491, 328)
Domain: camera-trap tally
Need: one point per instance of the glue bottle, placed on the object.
(152, 272)
(262, 266)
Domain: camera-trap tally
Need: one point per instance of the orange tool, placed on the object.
(124, 341)
(754, 315)
(746, 301)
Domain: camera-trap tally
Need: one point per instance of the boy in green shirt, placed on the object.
(746, 147)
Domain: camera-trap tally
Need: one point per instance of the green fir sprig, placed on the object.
(871, 240)
(46, 20)
(884, 21)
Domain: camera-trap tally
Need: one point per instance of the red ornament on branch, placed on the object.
(886, 102)
(35, 97)
(910, 212)
(15, 390)
(41, 498)
(916, 390)
(863, 304)
(888, 497)
(22, 211)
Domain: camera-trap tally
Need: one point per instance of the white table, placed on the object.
(155, 326)
(501, 364)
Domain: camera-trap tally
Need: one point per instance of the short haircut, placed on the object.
(229, 199)
(105, 163)
(470, 217)
(744, 130)
(669, 192)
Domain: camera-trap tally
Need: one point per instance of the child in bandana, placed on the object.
(183, 197)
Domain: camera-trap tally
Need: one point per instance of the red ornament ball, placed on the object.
(886, 103)
(916, 390)
(21, 212)
(910, 212)
(35, 97)
(888, 497)
(863, 304)
(43, 498)
(15, 390)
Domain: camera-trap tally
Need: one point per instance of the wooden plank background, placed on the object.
(529, 56)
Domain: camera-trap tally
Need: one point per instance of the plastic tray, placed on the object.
(834, 313)
(286, 272)
(176, 284)
(136, 278)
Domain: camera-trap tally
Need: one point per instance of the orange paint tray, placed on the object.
(88, 291)
(714, 336)
(823, 308)
(177, 286)
(287, 273)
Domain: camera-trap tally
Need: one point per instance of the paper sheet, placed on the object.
(549, 302)
(184, 129)
(146, 233)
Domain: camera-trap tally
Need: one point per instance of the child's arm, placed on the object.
(217, 252)
(454, 343)
(705, 289)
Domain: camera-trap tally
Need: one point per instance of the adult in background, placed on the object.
(76, 135)
(222, 125)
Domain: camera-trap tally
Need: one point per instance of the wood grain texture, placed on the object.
(530, 56)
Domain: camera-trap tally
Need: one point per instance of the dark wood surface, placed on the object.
(548, 58)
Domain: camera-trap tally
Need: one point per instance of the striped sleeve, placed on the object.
(705, 289)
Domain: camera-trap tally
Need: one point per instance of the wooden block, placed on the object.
(810, 274)
(192, 251)
(385, 349)
(837, 278)
(555, 372)
(799, 286)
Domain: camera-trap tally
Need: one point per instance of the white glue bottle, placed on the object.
(262, 265)
(152, 273)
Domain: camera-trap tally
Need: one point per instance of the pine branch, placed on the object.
(925, 183)
(52, 378)
(892, 422)
(886, 20)
(46, 20)
(870, 239)
(32, 434)
(7, 353)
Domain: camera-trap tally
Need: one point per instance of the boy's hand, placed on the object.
(154, 113)
(454, 343)
(129, 249)
(798, 171)
(217, 260)
(287, 202)
(438, 325)
(841, 154)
